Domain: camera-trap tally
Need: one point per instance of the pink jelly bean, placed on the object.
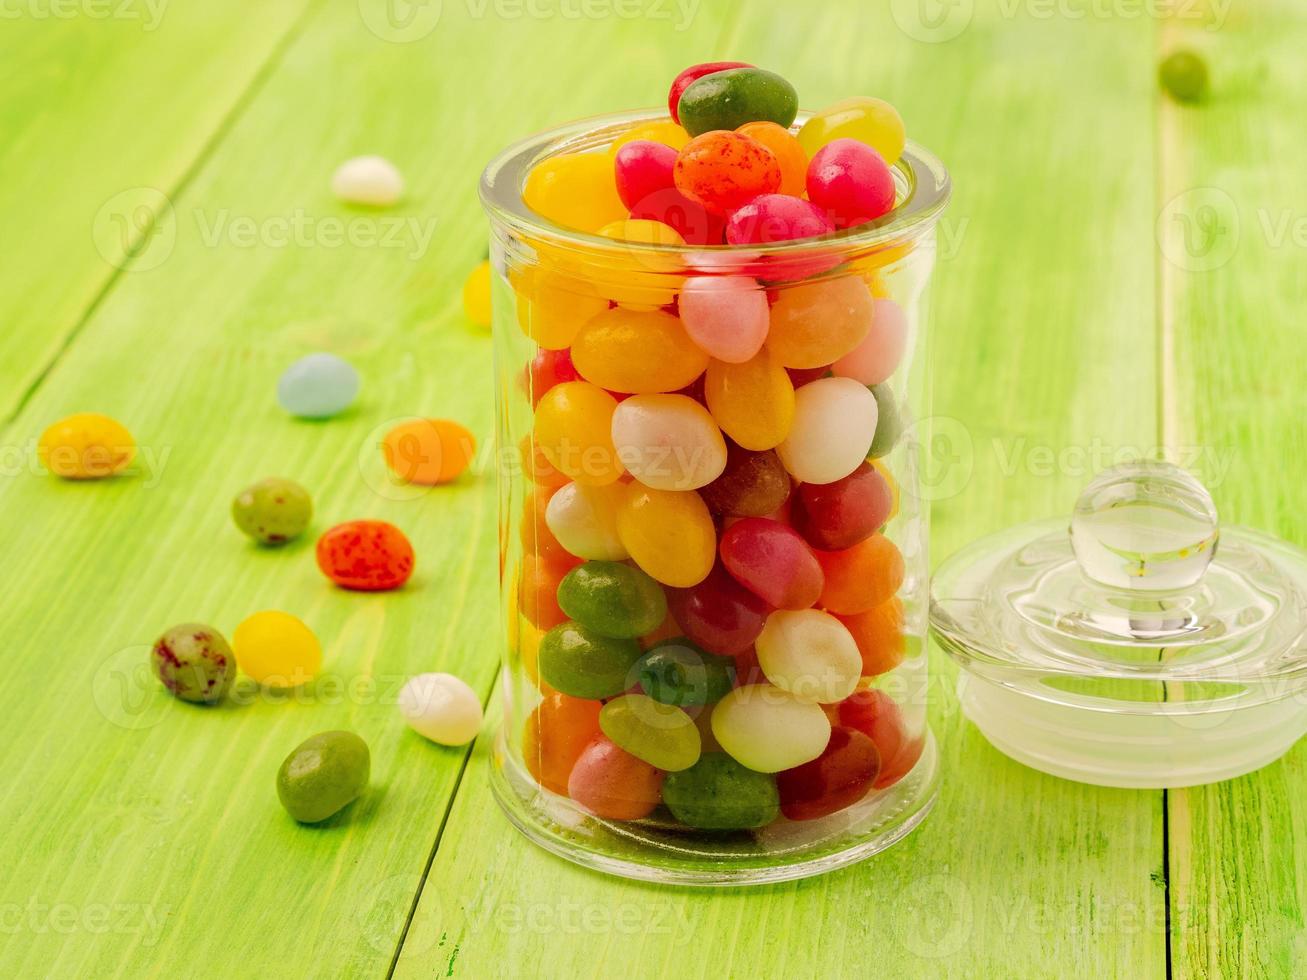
(642, 168)
(776, 218)
(613, 784)
(726, 316)
(875, 359)
(773, 562)
(851, 182)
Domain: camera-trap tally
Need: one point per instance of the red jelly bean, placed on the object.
(613, 784)
(876, 715)
(642, 168)
(851, 182)
(772, 561)
(843, 774)
(691, 75)
(801, 376)
(366, 556)
(835, 516)
(719, 614)
(752, 485)
(777, 218)
(724, 171)
(548, 368)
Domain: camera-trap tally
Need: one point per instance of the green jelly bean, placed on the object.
(1184, 76)
(659, 734)
(729, 99)
(717, 793)
(576, 660)
(323, 775)
(889, 422)
(194, 663)
(273, 511)
(678, 672)
(613, 599)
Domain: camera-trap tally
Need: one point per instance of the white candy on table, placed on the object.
(370, 180)
(441, 707)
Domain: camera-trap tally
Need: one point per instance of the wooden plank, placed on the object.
(146, 839)
(1231, 224)
(1045, 330)
(104, 107)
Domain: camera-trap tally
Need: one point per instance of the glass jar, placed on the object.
(714, 568)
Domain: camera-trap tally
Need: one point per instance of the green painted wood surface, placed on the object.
(143, 837)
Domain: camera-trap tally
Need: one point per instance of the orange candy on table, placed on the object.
(575, 190)
(817, 323)
(724, 171)
(573, 427)
(637, 352)
(878, 633)
(861, 577)
(554, 737)
(429, 451)
(788, 151)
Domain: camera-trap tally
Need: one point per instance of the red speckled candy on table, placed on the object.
(724, 171)
(366, 556)
(838, 778)
(691, 75)
(850, 180)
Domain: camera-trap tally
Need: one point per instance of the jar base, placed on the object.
(649, 851)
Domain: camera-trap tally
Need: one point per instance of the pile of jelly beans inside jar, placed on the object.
(705, 599)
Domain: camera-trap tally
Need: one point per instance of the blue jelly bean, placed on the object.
(318, 386)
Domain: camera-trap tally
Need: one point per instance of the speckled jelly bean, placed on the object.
(876, 356)
(573, 428)
(668, 533)
(834, 516)
(878, 632)
(612, 599)
(323, 775)
(678, 672)
(873, 121)
(767, 729)
(876, 715)
(839, 777)
(753, 484)
(724, 171)
(731, 98)
(276, 649)
(584, 520)
(575, 190)
(668, 442)
(819, 322)
(555, 735)
(86, 446)
(778, 218)
(834, 425)
(789, 153)
(717, 793)
(318, 386)
(272, 511)
(726, 316)
(810, 654)
(691, 75)
(194, 662)
(719, 614)
(366, 556)
(861, 577)
(889, 422)
(578, 661)
(772, 561)
(753, 402)
(850, 181)
(612, 784)
(637, 352)
(660, 734)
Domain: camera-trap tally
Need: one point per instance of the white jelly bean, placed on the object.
(811, 654)
(370, 180)
(442, 708)
(725, 315)
(767, 729)
(834, 425)
(668, 442)
(875, 359)
(584, 520)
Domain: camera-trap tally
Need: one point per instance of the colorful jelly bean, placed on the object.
(578, 661)
(555, 735)
(873, 121)
(613, 784)
(726, 316)
(643, 168)
(476, 294)
(729, 99)
(546, 369)
(668, 533)
(1184, 76)
(839, 777)
(861, 577)
(834, 516)
(772, 561)
(680, 673)
(851, 182)
(637, 280)
(366, 556)
(878, 632)
(86, 446)
(778, 218)
(754, 402)
(834, 425)
(276, 649)
(573, 428)
(323, 775)
(691, 75)
(195, 663)
(442, 708)
(429, 451)
(318, 386)
(612, 599)
(575, 190)
(724, 171)
(537, 538)
(662, 131)
(719, 614)
(371, 181)
(876, 356)
(766, 729)
(889, 422)
(753, 484)
(789, 153)
(584, 521)
(538, 590)
(876, 715)
(551, 306)
(273, 511)
(717, 793)
(819, 322)
(810, 654)
(668, 442)
(660, 734)
(637, 352)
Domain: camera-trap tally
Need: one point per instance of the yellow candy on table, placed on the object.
(573, 428)
(476, 295)
(753, 402)
(669, 533)
(276, 649)
(666, 132)
(640, 280)
(86, 446)
(552, 305)
(575, 190)
(873, 121)
(637, 352)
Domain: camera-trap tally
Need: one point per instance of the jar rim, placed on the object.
(922, 182)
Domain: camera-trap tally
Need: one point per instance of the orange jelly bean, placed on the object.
(862, 577)
(878, 632)
(724, 171)
(429, 451)
(536, 465)
(819, 322)
(537, 539)
(537, 590)
(788, 151)
(573, 427)
(555, 735)
(753, 402)
(637, 352)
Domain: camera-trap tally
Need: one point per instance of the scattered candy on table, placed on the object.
(366, 556)
(318, 386)
(323, 775)
(476, 294)
(1183, 74)
(86, 446)
(273, 511)
(194, 663)
(441, 707)
(277, 650)
(429, 451)
(369, 180)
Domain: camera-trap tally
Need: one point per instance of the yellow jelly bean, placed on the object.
(552, 305)
(86, 446)
(276, 649)
(873, 121)
(753, 402)
(665, 132)
(637, 352)
(476, 295)
(575, 190)
(641, 280)
(669, 534)
(573, 427)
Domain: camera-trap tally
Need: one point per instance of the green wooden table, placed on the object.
(1115, 274)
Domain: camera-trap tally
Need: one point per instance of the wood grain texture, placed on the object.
(1045, 338)
(1232, 214)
